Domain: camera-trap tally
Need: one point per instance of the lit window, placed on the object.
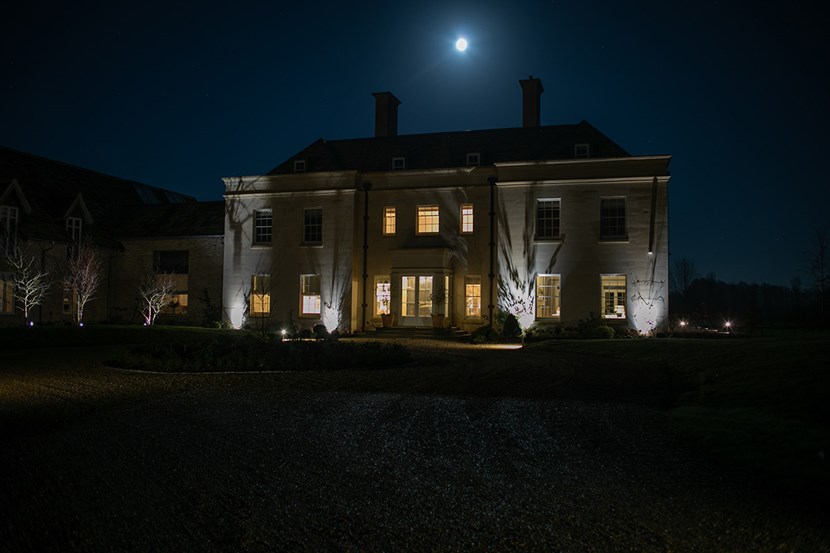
(174, 263)
(263, 226)
(398, 163)
(547, 296)
(299, 166)
(260, 305)
(383, 295)
(613, 296)
(310, 295)
(472, 296)
(612, 218)
(473, 159)
(389, 221)
(467, 218)
(428, 219)
(313, 226)
(424, 296)
(6, 293)
(582, 150)
(547, 219)
(8, 229)
(408, 296)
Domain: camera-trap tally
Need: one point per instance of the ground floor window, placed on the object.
(408, 296)
(310, 294)
(383, 295)
(472, 296)
(547, 296)
(177, 302)
(260, 296)
(613, 296)
(424, 296)
(174, 264)
(6, 293)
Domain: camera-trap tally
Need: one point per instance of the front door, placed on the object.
(416, 300)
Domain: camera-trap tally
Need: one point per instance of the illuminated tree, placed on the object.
(84, 274)
(155, 291)
(30, 284)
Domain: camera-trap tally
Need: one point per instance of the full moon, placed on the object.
(461, 44)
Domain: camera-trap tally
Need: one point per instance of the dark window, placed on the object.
(313, 226)
(612, 218)
(299, 166)
(398, 163)
(8, 229)
(547, 219)
(473, 159)
(582, 150)
(171, 262)
(263, 227)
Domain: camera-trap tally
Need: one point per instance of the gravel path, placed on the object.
(96, 459)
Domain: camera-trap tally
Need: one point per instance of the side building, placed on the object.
(49, 210)
(551, 223)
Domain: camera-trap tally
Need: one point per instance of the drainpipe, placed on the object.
(366, 187)
(492, 275)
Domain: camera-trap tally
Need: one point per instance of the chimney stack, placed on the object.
(531, 101)
(386, 114)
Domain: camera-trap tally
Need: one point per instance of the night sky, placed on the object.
(180, 95)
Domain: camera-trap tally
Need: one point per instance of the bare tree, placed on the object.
(30, 284)
(818, 267)
(683, 273)
(155, 291)
(84, 274)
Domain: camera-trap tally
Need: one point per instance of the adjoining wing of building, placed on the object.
(48, 209)
(552, 223)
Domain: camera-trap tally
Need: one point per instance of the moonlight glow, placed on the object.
(461, 44)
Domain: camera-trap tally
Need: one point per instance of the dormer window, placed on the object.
(73, 228)
(299, 166)
(582, 151)
(8, 229)
(473, 159)
(398, 163)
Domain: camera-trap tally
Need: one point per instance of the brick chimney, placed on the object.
(531, 101)
(386, 114)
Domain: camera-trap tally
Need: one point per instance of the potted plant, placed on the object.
(438, 296)
(387, 316)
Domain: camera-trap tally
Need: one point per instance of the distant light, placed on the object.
(683, 323)
(461, 44)
(728, 324)
(283, 332)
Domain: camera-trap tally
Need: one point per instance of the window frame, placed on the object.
(472, 310)
(9, 220)
(307, 291)
(473, 159)
(613, 288)
(255, 238)
(300, 166)
(310, 227)
(555, 297)
(399, 163)
(579, 148)
(378, 294)
(427, 219)
(390, 220)
(555, 220)
(465, 228)
(605, 219)
(260, 296)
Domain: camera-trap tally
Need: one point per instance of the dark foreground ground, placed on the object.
(99, 459)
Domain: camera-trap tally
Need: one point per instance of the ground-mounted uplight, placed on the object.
(727, 325)
(31, 323)
(683, 323)
(283, 332)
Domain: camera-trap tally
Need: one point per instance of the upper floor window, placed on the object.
(389, 221)
(428, 219)
(313, 225)
(310, 294)
(473, 159)
(613, 296)
(263, 226)
(8, 229)
(612, 218)
(547, 219)
(467, 218)
(547, 296)
(582, 150)
(73, 228)
(398, 163)
(299, 166)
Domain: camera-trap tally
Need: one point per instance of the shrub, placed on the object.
(511, 328)
(320, 332)
(484, 334)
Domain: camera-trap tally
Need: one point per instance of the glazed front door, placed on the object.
(416, 300)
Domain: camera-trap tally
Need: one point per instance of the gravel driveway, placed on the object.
(96, 459)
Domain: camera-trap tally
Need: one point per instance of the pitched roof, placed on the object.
(171, 220)
(52, 188)
(450, 149)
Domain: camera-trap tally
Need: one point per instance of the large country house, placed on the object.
(552, 223)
